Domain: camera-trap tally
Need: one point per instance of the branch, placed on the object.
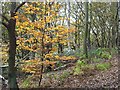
(64, 66)
(3, 23)
(16, 9)
(4, 17)
(79, 7)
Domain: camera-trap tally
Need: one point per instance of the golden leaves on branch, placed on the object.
(40, 36)
(65, 57)
(33, 66)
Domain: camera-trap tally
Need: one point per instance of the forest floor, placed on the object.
(106, 79)
(90, 79)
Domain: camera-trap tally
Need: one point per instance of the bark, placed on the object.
(117, 23)
(113, 7)
(96, 36)
(77, 40)
(86, 30)
(89, 42)
(109, 36)
(102, 38)
(12, 51)
(68, 22)
(12, 82)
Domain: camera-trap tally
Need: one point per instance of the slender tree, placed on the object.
(86, 30)
(90, 11)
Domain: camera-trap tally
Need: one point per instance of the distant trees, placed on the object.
(102, 26)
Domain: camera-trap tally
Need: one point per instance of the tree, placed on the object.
(90, 26)
(86, 30)
(10, 25)
(44, 35)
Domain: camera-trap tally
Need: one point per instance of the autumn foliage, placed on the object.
(39, 31)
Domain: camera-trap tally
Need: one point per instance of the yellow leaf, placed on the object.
(16, 17)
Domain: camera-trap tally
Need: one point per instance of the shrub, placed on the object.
(103, 53)
(96, 60)
(79, 65)
(103, 66)
(106, 55)
(78, 71)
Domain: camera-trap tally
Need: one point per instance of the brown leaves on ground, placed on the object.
(92, 78)
(106, 79)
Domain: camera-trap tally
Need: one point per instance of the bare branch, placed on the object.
(79, 7)
(4, 17)
(3, 23)
(16, 9)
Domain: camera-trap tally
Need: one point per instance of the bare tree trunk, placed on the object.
(113, 9)
(68, 22)
(10, 25)
(86, 30)
(12, 50)
(117, 24)
(89, 42)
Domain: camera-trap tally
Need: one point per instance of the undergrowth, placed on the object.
(103, 66)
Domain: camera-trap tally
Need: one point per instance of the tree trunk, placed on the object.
(113, 9)
(12, 82)
(11, 61)
(102, 39)
(43, 47)
(86, 30)
(89, 42)
(68, 22)
(117, 24)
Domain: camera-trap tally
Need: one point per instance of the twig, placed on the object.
(64, 66)
(16, 9)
